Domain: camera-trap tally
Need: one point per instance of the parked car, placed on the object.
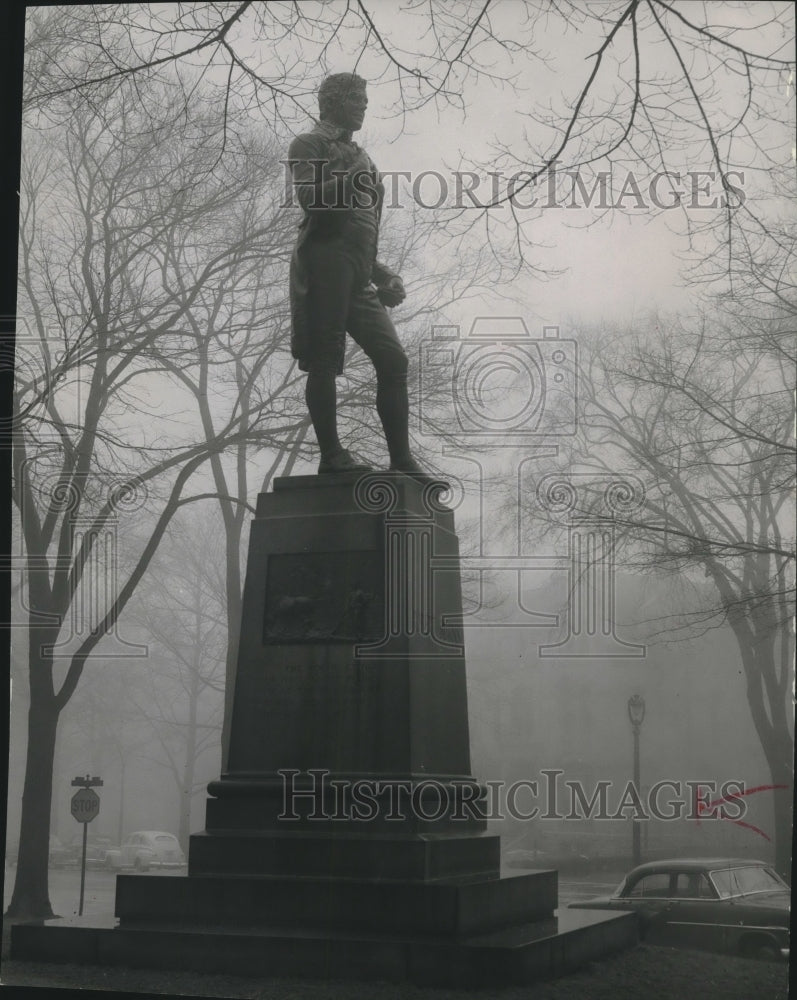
(97, 847)
(564, 861)
(62, 855)
(719, 904)
(147, 849)
(58, 855)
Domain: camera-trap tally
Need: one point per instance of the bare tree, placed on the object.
(702, 413)
(99, 425)
(148, 271)
(653, 96)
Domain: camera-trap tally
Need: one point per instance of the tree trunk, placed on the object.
(31, 897)
(783, 823)
(186, 797)
(187, 790)
(120, 831)
(768, 701)
(234, 602)
(779, 750)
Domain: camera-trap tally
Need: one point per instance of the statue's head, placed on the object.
(342, 100)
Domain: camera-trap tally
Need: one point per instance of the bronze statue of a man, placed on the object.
(337, 284)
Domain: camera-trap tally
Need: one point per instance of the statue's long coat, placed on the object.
(332, 146)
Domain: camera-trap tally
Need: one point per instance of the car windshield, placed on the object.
(620, 890)
(741, 881)
(165, 838)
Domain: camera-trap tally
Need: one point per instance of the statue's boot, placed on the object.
(392, 405)
(342, 461)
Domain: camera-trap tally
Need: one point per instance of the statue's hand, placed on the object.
(392, 293)
(360, 181)
(360, 161)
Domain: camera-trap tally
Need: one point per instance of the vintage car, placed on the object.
(62, 855)
(97, 847)
(147, 849)
(719, 904)
(58, 854)
(563, 861)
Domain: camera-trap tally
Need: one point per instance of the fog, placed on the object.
(147, 712)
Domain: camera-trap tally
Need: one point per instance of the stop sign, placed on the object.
(85, 805)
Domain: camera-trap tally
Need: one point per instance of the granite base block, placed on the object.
(452, 907)
(417, 858)
(517, 956)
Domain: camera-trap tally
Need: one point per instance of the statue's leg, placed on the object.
(330, 275)
(321, 397)
(371, 327)
(392, 405)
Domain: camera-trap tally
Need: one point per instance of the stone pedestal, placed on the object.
(347, 836)
(349, 753)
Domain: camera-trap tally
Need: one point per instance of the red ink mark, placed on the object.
(704, 808)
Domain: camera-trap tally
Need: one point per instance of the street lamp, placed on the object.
(636, 713)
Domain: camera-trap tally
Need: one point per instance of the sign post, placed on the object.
(85, 805)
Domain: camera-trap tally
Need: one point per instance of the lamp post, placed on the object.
(636, 713)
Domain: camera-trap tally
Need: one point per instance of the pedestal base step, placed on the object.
(417, 858)
(454, 906)
(513, 956)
